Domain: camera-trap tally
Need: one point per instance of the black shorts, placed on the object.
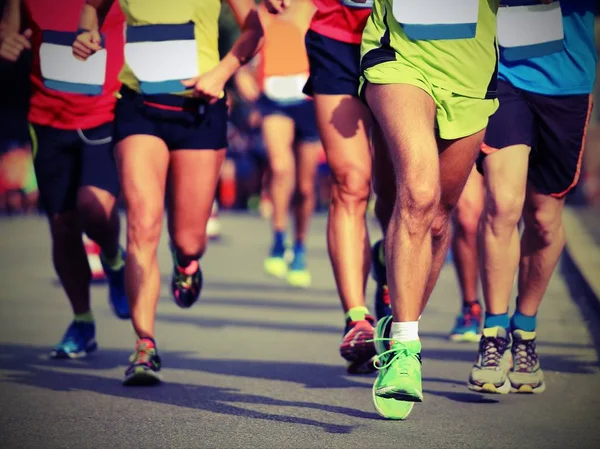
(66, 160)
(183, 123)
(553, 126)
(334, 66)
(303, 115)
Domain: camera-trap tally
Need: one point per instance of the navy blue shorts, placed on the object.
(66, 160)
(553, 126)
(334, 66)
(303, 115)
(183, 123)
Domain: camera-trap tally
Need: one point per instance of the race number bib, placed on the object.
(358, 3)
(161, 56)
(437, 19)
(286, 89)
(63, 72)
(529, 31)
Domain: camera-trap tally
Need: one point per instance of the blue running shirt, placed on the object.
(570, 72)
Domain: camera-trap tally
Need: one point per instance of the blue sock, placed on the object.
(299, 246)
(501, 320)
(525, 323)
(278, 244)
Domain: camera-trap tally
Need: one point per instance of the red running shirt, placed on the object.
(336, 20)
(63, 110)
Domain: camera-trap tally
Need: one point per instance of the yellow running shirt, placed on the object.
(169, 41)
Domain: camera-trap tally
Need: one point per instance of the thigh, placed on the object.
(406, 114)
(562, 125)
(99, 167)
(142, 163)
(57, 164)
(278, 134)
(193, 177)
(344, 122)
(457, 161)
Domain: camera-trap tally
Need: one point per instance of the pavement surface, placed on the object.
(255, 364)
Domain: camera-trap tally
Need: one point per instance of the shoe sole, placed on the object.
(142, 379)
(490, 388)
(398, 395)
(465, 338)
(61, 355)
(528, 389)
(379, 402)
(298, 281)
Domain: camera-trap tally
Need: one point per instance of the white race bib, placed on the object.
(437, 19)
(63, 72)
(161, 56)
(529, 31)
(286, 89)
(358, 3)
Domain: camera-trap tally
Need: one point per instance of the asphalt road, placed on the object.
(255, 364)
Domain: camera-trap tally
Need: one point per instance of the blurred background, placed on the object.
(246, 168)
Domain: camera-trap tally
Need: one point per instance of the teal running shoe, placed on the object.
(468, 324)
(116, 288)
(79, 340)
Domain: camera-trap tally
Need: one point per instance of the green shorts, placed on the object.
(459, 74)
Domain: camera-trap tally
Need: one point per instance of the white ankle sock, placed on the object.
(405, 331)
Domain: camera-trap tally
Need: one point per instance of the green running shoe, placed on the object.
(400, 372)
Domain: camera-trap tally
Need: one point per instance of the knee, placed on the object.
(282, 169)
(544, 225)
(93, 206)
(351, 188)
(189, 242)
(466, 218)
(503, 209)
(65, 226)
(419, 205)
(144, 225)
(305, 191)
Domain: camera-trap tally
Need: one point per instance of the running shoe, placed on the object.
(297, 272)
(276, 264)
(389, 408)
(213, 225)
(490, 372)
(186, 284)
(144, 365)
(399, 375)
(78, 341)
(383, 306)
(357, 346)
(117, 295)
(468, 324)
(526, 375)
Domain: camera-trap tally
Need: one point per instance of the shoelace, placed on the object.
(525, 355)
(397, 352)
(493, 350)
(184, 280)
(142, 356)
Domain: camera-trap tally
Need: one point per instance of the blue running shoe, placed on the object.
(79, 341)
(383, 306)
(116, 288)
(468, 325)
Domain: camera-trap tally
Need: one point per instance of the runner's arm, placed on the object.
(92, 16)
(12, 42)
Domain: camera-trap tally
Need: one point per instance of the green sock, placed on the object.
(357, 313)
(86, 317)
(381, 254)
(115, 263)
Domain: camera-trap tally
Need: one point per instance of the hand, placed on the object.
(208, 86)
(277, 6)
(13, 45)
(86, 44)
